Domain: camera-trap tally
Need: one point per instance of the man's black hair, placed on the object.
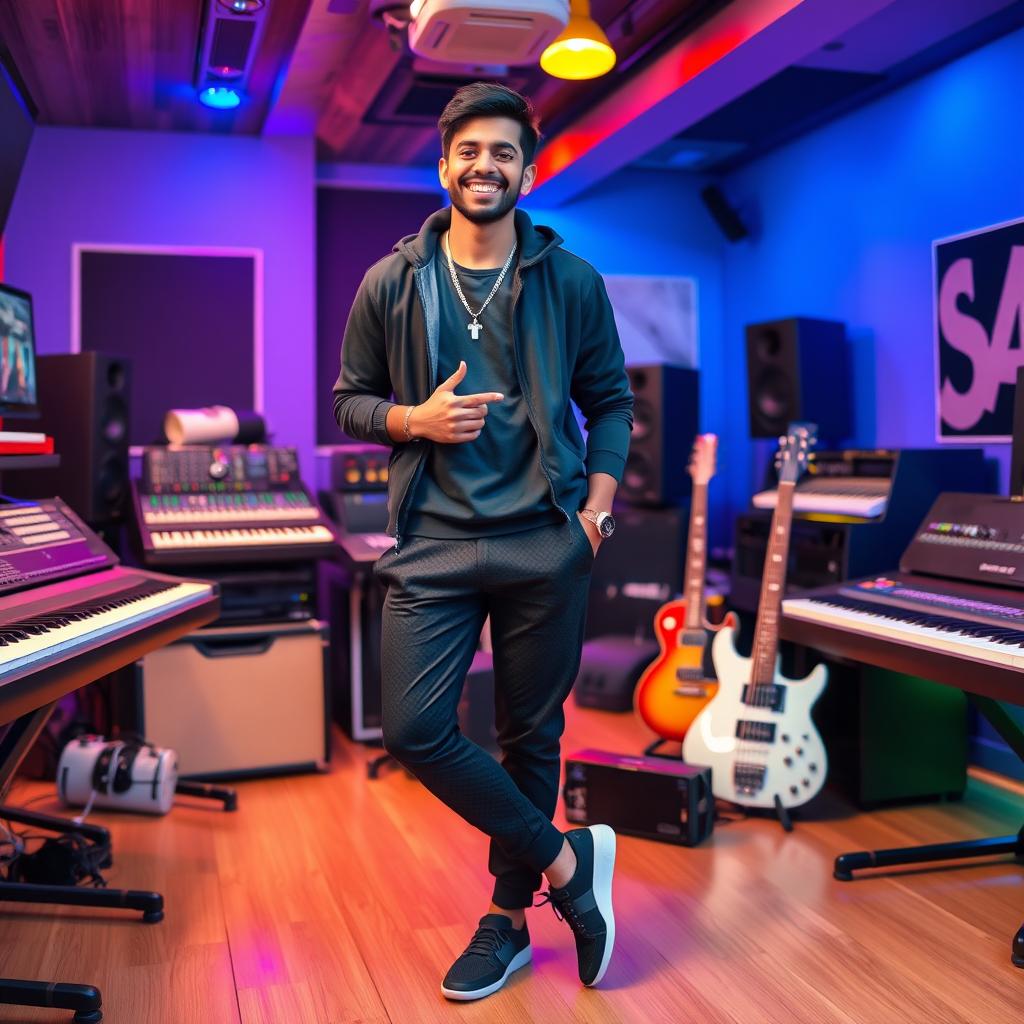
(488, 99)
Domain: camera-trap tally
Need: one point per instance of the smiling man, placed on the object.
(484, 331)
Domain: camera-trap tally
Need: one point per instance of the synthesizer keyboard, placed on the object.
(50, 623)
(864, 498)
(69, 613)
(201, 505)
(953, 612)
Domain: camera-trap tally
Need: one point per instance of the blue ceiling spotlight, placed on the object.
(218, 97)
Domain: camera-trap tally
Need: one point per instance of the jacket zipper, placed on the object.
(517, 287)
(419, 463)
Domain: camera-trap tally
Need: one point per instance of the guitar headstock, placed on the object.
(703, 458)
(795, 451)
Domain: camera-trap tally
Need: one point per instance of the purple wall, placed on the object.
(355, 228)
(149, 188)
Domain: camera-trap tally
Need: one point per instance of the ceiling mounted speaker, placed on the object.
(227, 49)
(485, 31)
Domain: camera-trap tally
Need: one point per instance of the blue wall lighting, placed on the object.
(219, 98)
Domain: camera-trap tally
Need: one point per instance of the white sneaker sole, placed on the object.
(604, 868)
(521, 959)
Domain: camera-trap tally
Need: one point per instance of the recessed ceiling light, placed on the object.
(242, 6)
(219, 98)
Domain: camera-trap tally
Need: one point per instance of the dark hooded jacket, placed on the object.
(566, 346)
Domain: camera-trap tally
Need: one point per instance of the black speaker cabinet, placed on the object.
(352, 604)
(665, 416)
(638, 570)
(799, 369)
(610, 668)
(892, 738)
(83, 402)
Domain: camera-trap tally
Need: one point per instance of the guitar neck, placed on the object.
(696, 557)
(773, 582)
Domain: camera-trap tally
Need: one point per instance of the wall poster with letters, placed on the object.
(979, 331)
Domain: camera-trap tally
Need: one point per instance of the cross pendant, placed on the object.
(474, 329)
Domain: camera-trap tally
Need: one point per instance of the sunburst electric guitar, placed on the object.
(756, 734)
(674, 688)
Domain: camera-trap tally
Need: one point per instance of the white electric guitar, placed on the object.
(756, 734)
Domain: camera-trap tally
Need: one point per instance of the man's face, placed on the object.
(484, 172)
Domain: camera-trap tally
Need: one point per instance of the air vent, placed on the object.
(485, 31)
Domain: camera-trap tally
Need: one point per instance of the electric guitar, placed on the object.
(756, 734)
(674, 688)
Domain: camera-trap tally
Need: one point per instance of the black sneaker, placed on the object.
(586, 901)
(496, 950)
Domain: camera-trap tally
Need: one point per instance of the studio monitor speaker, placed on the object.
(724, 213)
(798, 369)
(665, 415)
(83, 402)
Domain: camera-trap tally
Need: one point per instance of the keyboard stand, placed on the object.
(85, 1000)
(847, 863)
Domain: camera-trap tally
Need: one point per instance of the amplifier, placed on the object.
(360, 467)
(609, 669)
(636, 575)
(239, 700)
(650, 797)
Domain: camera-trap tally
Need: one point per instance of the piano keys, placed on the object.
(917, 612)
(239, 537)
(49, 623)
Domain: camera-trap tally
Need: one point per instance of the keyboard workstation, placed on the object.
(70, 613)
(953, 613)
(214, 504)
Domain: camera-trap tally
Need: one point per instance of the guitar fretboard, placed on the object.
(766, 633)
(696, 559)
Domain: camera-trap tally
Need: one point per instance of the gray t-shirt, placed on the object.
(494, 484)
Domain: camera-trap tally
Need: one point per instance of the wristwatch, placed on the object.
(604, 521)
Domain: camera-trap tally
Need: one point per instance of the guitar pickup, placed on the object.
(691, 690)
(769, 695)
(761, 732)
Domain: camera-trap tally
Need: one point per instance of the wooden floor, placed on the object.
(334, 899)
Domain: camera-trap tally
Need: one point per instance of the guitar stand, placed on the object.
(847, 863)
(783, 815)
(654, 750)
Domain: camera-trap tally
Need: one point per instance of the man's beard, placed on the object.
(484, 216)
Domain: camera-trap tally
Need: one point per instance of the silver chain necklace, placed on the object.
(476, 327)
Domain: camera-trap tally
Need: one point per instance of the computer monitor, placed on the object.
(17, 355)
